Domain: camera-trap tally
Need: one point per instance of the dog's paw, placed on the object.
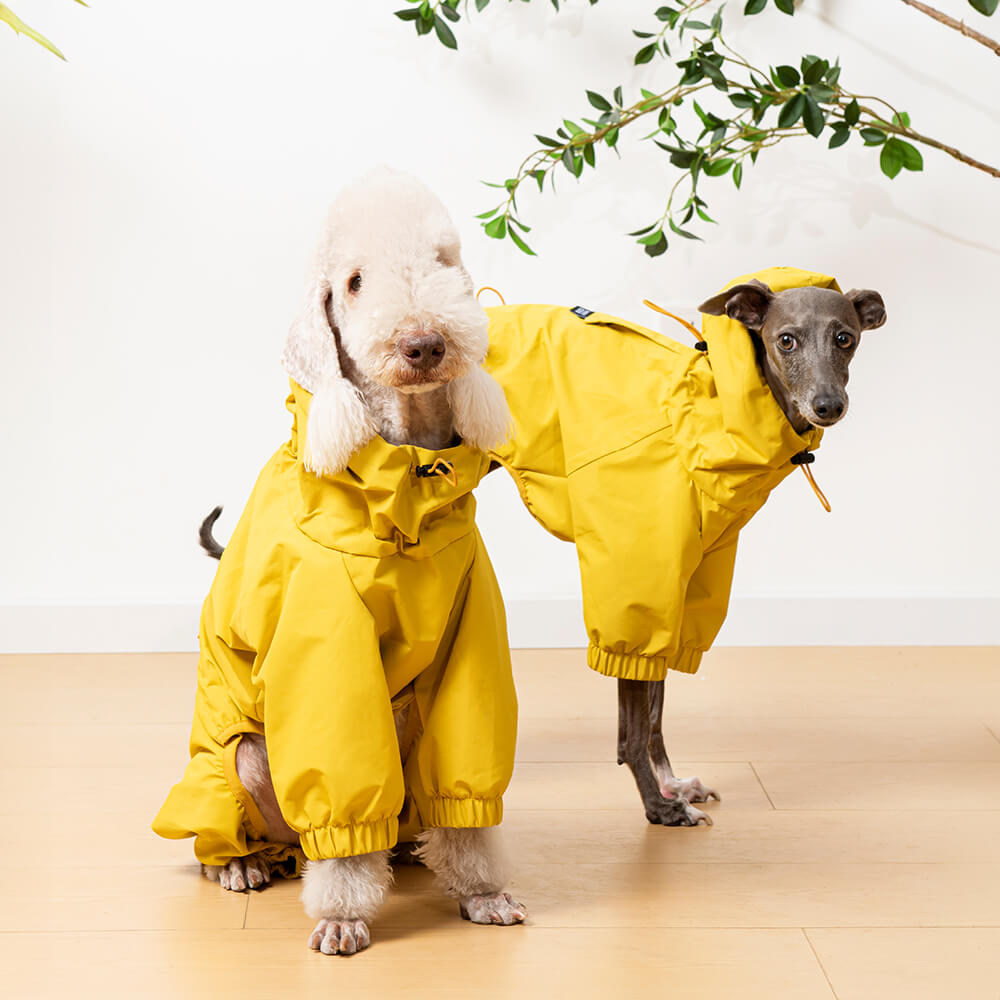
(340, 937)
(240, 874)
(492, 908)
(676, 812)
(691, 789)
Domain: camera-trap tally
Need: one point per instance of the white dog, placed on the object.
(373, 511)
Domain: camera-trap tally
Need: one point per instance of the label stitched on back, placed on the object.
(581, 312)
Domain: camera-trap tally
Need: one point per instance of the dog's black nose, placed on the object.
(828, 407)
(422, 351)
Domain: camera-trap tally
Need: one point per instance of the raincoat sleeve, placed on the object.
(464, 758)
(638, 541)
(331, 739)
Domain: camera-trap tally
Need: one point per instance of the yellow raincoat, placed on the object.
(651, 457)
(337, 600)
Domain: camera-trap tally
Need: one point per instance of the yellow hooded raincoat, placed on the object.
(651, 457)
(337, 600)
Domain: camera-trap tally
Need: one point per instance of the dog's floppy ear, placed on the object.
(479, 409)
(869, 306)
(747, 304)
(339, 422)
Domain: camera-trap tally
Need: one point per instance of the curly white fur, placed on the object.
(467, 862)
(346, 888)
(388, 265)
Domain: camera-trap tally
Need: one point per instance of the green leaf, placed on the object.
(612, 137)
(481, 5)
(791, 111)
(813, 69)
(682, 232)
(812, 117)
(6, 14)
(841, 133)
(785, 6)
(572, 127)
(588, 155)
(902, 119)
(911, 157)
(873, 136)
(716, 168)
(754, 6)
(519, 243)
(657, 248)
(450, 13)
(890, 159)
(787, 76)
(852, 112)
(445, 35)
(643, 231)
(618, 96)
(546, 141)
(738, 174)
(741, 100)
(651, 238)
(645, 54)
(601, 103)
(409, 14)
(987, 7)
(497, 229)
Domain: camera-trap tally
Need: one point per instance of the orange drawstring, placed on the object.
(490, 288)
(683, 322)
(445, 470)
(819, 493)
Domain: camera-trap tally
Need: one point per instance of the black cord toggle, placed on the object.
(803, 458)
(701, 346)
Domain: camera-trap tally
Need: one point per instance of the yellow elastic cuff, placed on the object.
(637, 667)
(347, 841)
(465, 813)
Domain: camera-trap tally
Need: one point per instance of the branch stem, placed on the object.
(952, 22)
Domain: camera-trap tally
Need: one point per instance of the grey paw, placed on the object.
(676, 812)
(240, 874)
(492, 908)
(691, 789)
(340, 937)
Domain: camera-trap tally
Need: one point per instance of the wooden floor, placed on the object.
(855, 854)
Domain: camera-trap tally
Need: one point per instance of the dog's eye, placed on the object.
(845, 340)
(354, 285)
(786, 342)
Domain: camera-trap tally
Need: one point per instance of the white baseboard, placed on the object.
(545, 624)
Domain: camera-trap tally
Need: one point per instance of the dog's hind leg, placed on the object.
(468, 866)
(634, 719)
(671, 787)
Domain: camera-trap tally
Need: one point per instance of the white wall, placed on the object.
(159, 195)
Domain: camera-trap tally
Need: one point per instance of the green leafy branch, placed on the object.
(719, 113)
(7, 15)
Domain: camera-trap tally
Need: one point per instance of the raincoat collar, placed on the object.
(381, 504)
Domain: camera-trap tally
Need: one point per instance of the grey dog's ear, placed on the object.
(747, 304)
(339, 422)
(869, 307)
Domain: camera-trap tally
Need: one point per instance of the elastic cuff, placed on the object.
(636, 667)
(465, 813)
(347, 841)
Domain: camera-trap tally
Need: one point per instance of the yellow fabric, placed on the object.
(337, 598)
(650, 456)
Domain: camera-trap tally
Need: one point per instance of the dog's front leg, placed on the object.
(633, 749)
(467, 864)
(671, 787)
(343, 895)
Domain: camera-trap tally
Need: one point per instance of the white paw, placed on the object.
(687, 788)
(696, 816)
(240, 874)
(492, 908)
(340, 937)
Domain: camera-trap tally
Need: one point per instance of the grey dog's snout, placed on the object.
(422, 351)
(828, 407)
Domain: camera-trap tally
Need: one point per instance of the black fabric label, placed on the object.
(581, 312)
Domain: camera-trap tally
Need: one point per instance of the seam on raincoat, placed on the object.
(621, 448)
(522, 489)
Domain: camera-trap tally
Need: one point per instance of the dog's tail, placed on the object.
(207, 539)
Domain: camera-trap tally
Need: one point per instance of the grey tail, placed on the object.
(207, 539)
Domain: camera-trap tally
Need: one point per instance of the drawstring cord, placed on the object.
(490, 288)
(701, 345)
(805, 459)
(439, 467)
